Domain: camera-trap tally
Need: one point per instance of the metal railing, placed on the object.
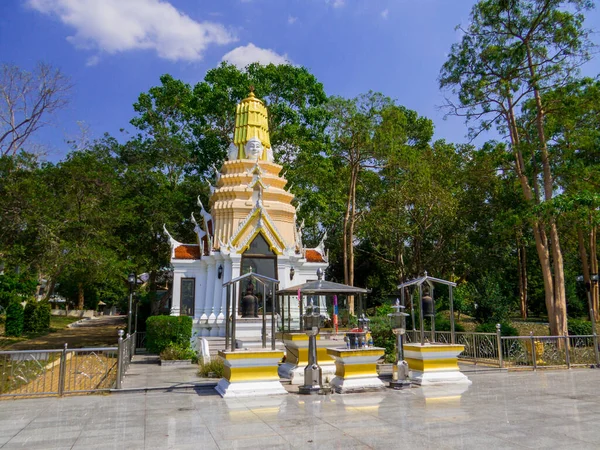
(549, 351)
(140, 342)
(25, 373)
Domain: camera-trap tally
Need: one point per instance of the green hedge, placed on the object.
(164, 330)
(578, 327)
(36, 317)
(490, 327)
(14, 319)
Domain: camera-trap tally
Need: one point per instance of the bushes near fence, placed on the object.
(36, 317)
(490, 327)
(14, 319)
(164, 330)
(578, 327)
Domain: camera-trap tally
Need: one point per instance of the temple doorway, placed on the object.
(260, 259)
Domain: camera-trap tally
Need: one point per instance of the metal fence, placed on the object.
(515, 352)
(64, 371)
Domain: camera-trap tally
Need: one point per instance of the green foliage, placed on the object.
(384, 310)
(490, 327)
(177, 352)
(161, 331)
(214, 369)
(579, 327)
(15, 285)
(383, 336)
(443, 324)
(36, 316)
(14, 319)
(492, 304)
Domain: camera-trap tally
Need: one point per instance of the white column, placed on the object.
(227, 267)
(211, 275)
(201, 299)
(216, 298)
(176, 300)
(236, 265)
(200, 290)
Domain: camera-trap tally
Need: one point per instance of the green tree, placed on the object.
(514, 50)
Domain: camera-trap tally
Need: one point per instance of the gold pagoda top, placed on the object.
(251, 121)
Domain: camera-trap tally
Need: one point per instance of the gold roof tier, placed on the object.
(251, 121)
(250, 195)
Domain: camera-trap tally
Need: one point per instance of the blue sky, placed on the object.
(115, 49)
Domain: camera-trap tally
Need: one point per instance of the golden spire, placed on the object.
(251, 120)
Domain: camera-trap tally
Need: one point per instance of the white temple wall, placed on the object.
(211, 297)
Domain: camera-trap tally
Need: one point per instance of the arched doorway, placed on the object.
(262, 260)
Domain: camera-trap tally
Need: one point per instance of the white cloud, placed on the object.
(244, 55)
(92, 61)
(114, 26)
(292, 19)
(385, 13)
(337, 3)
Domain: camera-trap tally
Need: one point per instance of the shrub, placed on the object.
(578, 327)
(29, 324)
(176, 351)
(164, 330)
(383, 336)
(36, 317)
(213, 369)
(443, 324)
(14, 319)
(490, 327)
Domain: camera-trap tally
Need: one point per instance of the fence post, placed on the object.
(132, 348)
(533, 355)
(474, 348)
(567, 355)
(596, 349)
(62, 372)
(499, 338)
(120, 359)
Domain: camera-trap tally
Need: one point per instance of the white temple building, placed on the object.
(251, 226)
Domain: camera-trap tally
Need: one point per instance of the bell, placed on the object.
(427, 306)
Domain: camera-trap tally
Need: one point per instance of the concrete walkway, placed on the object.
(145, 373)
(543, 409)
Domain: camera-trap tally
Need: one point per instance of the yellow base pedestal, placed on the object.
(356, 370)
(250, 373)
(434, 363)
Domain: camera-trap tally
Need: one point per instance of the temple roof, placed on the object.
(187, 251)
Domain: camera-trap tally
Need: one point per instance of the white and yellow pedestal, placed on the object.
(356, 370)
(250, 374)
(434, 364)
(296, 360)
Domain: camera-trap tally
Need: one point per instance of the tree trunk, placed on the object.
(541, 241)
(80, 296)
(522, 268)
(558, 318)
(594, 269)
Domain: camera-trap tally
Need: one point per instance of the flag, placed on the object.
(335, 313)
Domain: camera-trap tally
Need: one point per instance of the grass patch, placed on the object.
(213, 369)
(61, 322)
(57, 323)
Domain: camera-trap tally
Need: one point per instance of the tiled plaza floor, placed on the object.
(551, 409)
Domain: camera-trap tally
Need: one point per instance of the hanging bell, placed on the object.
(427, 306)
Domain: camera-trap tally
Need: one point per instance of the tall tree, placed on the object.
(352, 132)
(27, 101)
(512, 51)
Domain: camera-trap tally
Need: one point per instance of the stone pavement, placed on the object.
(145, 373)
(544, 409)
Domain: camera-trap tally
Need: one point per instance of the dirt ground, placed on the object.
(99, 332)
